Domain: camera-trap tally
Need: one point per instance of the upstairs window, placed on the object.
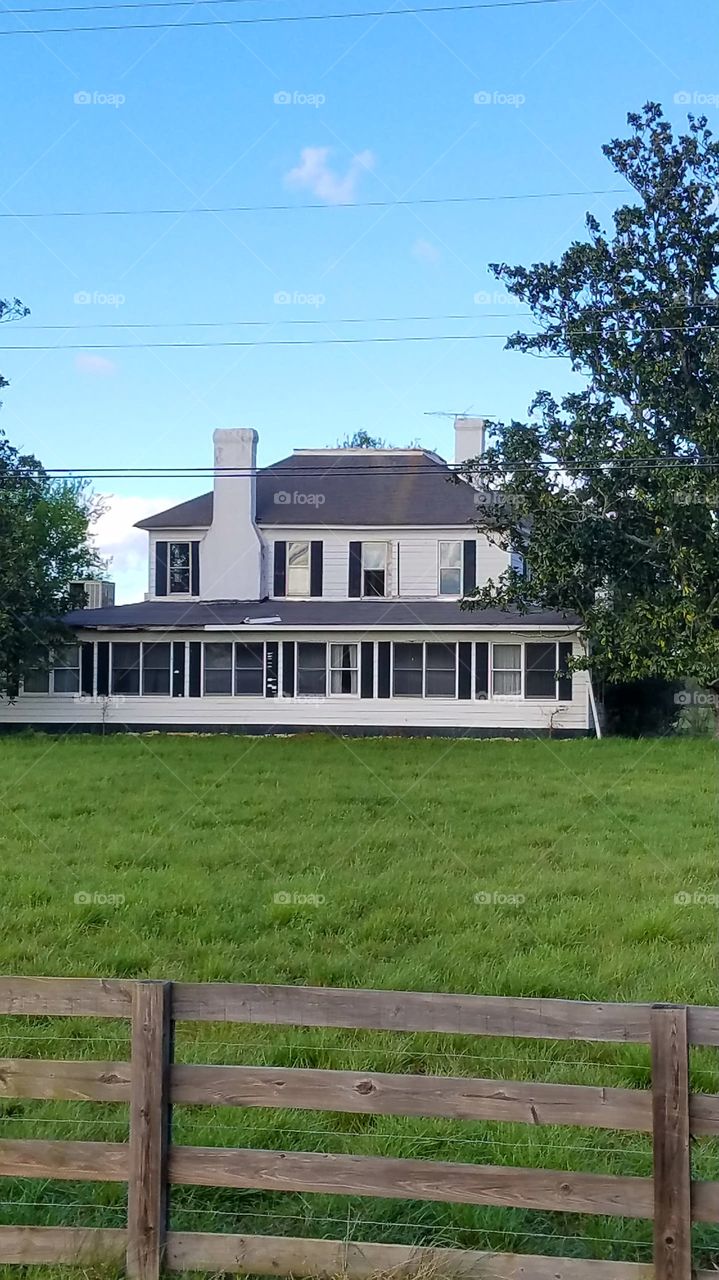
(507, 670)
(374, 568)
(298, 569)
(450, 568)
(178, 568)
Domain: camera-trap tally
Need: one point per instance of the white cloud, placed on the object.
(425, 251)
(96, 366)
(315, 173)
(125, 546)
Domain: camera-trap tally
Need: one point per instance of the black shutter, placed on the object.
(465, 671)
(178, 668)
(315, 568)
(481, 670)
(354, 585)
(383, 680)
(469, 566)
(280, 569)
(103, 668)
(367, 669)
(195, 669)
(160, 568)
(288, 668)
(565, 676)
(87, 674)
(195, 568)
(272, 662)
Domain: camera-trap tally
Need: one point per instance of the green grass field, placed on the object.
(511, 868)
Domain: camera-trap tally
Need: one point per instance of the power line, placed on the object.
(292, 17)
(293, 208)
(328, 471)
(226, 324)
(130, 325)
(327, 342)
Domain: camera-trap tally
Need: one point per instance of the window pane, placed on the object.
(373, 582)
(218, 668)
(507, 670)
(66, 680)
(343, 661)
(450, 582)
(36, 682)
(541, 673)
(156, 668)
(179, 566)
(298, 569)
(311, 668)
(249, 668)
(408, 670)
(125, 668)
(440, 679)
(450, 555)
(298, 553)
(374, 555)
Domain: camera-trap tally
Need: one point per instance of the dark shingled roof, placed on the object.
(344, 488)
(311, 613)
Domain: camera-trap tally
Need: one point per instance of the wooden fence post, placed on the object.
(149, 1129)
(672, 1161)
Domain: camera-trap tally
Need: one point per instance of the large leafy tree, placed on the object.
(612, 491)
(44, 546)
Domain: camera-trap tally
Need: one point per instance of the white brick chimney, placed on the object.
(231, 550)
(468, 438)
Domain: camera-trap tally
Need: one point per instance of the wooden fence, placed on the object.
(149, 1163)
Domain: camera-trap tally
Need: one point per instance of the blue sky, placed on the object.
(380, 109)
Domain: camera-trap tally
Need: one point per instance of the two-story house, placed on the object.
(320, 592)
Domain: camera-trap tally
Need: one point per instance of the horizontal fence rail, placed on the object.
(150, 1164)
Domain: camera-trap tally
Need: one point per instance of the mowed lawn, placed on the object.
(539, 868)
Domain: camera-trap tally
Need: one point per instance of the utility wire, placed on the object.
(272, 323)
(325, 342)
(328, 471)
(292, 17)
(293, 208)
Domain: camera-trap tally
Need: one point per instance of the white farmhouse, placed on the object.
(322, 592)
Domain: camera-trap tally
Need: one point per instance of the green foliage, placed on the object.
(612, 491)
(44, 545)
(362, 440)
